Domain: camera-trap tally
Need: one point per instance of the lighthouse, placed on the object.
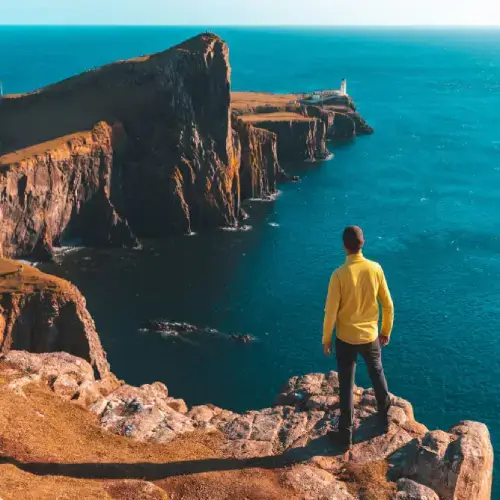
(343, 87)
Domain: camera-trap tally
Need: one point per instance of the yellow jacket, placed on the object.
(352, 302)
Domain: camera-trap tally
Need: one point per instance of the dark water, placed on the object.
(425, 188)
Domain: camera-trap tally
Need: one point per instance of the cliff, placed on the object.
(335, 120)
(41, 313)
(149, 147)
(259, 167)
(142, 147)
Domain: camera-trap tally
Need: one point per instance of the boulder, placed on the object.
(411, 490)
(457, 465)
(316, 484)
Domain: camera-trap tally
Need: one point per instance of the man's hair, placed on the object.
(353, 238)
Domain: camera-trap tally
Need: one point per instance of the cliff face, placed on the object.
(40, 313)
(44, 193)
(338, 115)
(297, 138)
(259, 166)
(142, 146)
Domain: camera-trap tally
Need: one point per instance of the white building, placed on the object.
(343, 87)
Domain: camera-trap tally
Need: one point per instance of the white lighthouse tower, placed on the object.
(343, 87)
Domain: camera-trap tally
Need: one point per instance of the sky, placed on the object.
(252, 12)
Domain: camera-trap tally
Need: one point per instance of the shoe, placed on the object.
(341, 440)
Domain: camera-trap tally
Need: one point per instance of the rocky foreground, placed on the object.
(149, 147)
(288, 437)
(70, 408)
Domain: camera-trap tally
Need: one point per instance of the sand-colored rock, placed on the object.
(456, 464)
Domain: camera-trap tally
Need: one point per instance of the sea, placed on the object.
(425, 188)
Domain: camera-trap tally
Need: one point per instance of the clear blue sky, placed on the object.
(253, 12)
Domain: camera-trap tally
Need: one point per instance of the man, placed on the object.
(352, 306)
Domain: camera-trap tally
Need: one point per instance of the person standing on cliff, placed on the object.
(352, 308)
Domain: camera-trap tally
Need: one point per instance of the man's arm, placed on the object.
(331, 310)
(387, 309)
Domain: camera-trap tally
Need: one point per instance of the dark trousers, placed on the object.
(346, 362)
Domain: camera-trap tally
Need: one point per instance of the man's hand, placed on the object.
(383, 340)
(327, 349)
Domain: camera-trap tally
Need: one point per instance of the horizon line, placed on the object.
(204, 26)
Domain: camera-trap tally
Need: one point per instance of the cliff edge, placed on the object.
(40, 313)
(140, 439)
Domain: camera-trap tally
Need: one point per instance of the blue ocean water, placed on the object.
(424, 188)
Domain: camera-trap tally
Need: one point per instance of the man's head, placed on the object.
(353, 239)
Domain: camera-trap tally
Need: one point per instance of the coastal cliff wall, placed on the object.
(145, 146)
(68, 184)
(41, 313)
(259, 166)
(297, 139)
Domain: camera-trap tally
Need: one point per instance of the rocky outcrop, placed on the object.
(259, 166)
(40, 313)
(454, 465)
(65, 186)
(457, 464)
(183, 331)
(298, 139)
(140, 147)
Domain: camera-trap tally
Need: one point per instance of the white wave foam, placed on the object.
(236, 228)
(274, 224)
(63, 251)
(328, 157)
(267, 199)
(32, 263)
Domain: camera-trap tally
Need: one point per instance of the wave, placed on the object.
(236, 228)
(66, 250)
(328, 157)
(267, 199)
